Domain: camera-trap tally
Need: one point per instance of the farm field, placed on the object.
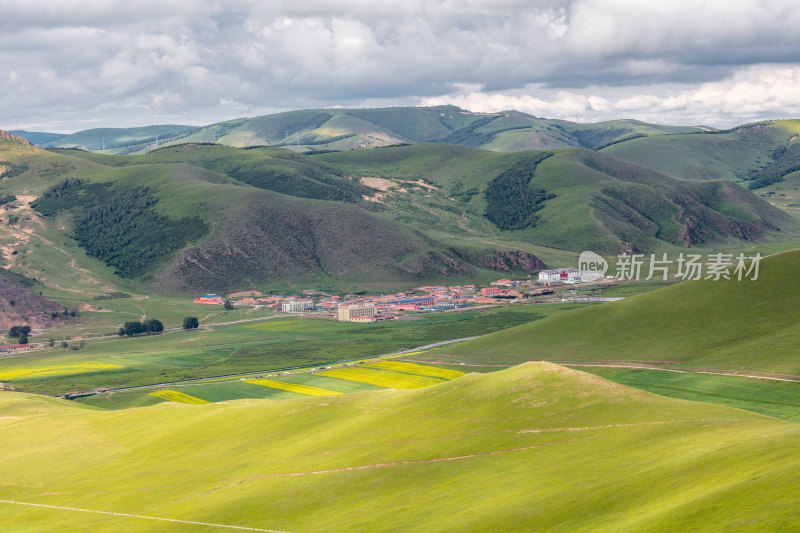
(250, 346)
(179, 397)
(383, 377)
(282, 386)
(306, 390)
(779, 399)
(538, 442)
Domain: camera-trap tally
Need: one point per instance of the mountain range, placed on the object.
(349, 129)
(442, 194)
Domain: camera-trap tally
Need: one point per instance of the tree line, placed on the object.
(136, 327)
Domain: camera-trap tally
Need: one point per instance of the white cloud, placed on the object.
(751, 93)
(722, 60)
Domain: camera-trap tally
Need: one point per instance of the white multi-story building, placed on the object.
(297, 306)
(560, 275)
(347, 312)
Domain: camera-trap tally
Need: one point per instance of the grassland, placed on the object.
(732, 155)
(283, 385)
(591, 201)
(779, 399)
(727, 324)
(269, 219)
(251, 346)
(536, 447)
(349, 129)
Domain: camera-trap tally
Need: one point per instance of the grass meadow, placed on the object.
(248, 347)
(539, 446)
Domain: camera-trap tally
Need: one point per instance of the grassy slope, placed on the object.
(600, 202)
(780, 399)
(315, 240)
(275, 217)
(722, 324)
(533, 447)
(348, 129)
(707, 156)
(37, 137)
(116, 139)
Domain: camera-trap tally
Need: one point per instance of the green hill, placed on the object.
(743, 153)
(215, 218)
(351, 129)
(727, 324)
(347, 129)
(37, 137)
(573, 199)
(115, 140)
(204, 217)
(536, 447)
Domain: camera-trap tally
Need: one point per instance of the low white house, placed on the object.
(297, 306)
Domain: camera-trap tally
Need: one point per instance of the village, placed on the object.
(424, 299)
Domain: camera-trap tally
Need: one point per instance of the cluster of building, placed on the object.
(11, 348)
(354, 308)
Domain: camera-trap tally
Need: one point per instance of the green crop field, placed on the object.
(780, 399)
(224, 389)
(247, 346)
(539, 446)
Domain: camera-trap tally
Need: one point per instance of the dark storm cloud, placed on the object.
(76, 64)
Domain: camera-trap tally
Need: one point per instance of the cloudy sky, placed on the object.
(68, 65)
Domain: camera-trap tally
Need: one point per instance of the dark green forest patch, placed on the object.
(511, 203)
(120, 225)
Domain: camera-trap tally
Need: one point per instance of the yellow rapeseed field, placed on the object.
(382, 378)
(175, 396)
(292, 387)
(413, 368)
(55, 370)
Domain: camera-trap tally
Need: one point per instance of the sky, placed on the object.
(69, 65)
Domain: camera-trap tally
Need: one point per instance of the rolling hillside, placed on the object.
(200, 217)
(574, 199)
(351, 129)
(114, 140)
(536, 447)
(37, 137)
(751, 153)
(726, 324)
(214, 218)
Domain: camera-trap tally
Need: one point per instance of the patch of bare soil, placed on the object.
(381, 184)
(378, 198)
(421, 183)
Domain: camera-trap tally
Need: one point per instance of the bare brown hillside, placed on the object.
(20, 306)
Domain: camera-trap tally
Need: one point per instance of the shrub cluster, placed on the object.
(785, 161)
(510, 202)
(138, 328)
